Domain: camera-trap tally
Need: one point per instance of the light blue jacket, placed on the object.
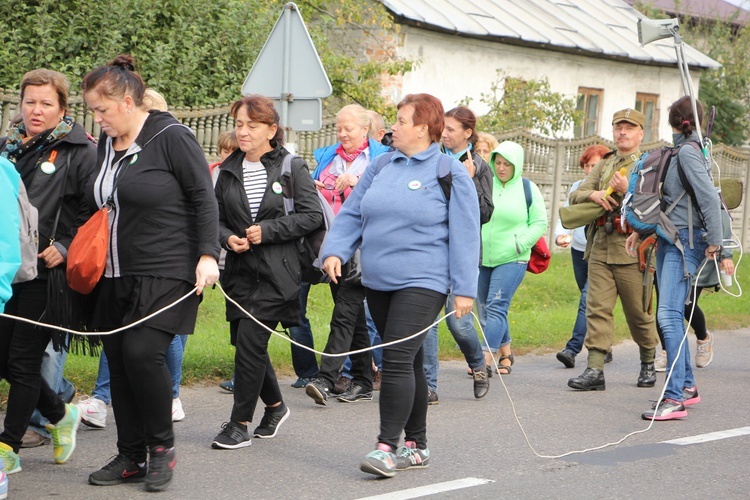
(325, 155)
(410, 236)
(10, 229)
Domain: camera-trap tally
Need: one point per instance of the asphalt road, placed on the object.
(477, 446)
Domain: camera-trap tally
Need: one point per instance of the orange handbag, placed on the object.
(87, 254)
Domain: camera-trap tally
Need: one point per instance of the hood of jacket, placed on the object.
(513, 153)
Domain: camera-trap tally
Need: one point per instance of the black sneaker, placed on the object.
(355, 393)
(318, 390)
(161, 462)
(301, 382)
(432, 397)
(231, 437)
(271, 421)
(120, 470)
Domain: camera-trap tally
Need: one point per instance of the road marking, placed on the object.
(711, 436)
(431, 489)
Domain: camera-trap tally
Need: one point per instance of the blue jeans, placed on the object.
(304, 362)
(53, 364)
(581, 272)
(175, 354)
(674, 289)
(465, 336)
(377, 354)
(496, 288)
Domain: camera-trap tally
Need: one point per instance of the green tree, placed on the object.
(521, 103)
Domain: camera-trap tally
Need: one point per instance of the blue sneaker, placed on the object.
(381, 462)
(64, 433)
(3, 485)
(11, 460)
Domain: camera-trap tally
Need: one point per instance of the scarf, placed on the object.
(15, 148)
(458, 155)
(353, 156)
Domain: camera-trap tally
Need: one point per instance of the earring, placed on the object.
(129, 110)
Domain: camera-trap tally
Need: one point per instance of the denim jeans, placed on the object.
(581, 272)
(464, 334)
(175, 354)
(496, 288)
(53, 363)
(674, 289)
(304, 362)
(377, 354)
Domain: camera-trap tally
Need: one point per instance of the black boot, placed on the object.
(647, 377)
(592, 379)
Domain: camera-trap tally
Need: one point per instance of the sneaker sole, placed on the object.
(318, 397)
(675, 415)
(587, 387)
(94, 424)
(178, 417)
(114, 482)
(692, 401)
(367, 467)
(221, 446)
(417, 466)
(278, 426)
(355, 399)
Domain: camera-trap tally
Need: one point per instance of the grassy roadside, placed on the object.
(541, 316)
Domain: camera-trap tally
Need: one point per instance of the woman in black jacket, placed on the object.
(262, 270)
(55, 159)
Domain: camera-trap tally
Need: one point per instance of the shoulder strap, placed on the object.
(60, 204)
(527, 193)
(287, 187)
(445, 177)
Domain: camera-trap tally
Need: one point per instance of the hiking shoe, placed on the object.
(301, 382)
(120, 470)
(647, 376)
(409, 456)
(690, 396)
(178, 414)
(343, 383)
(592, 379)
(227, 385)
(381, 462)
(32, 439)
(660, 363)
(93, 412)
(432, 397)
(481, 382)
(704, 352)
(567, 358)
(355, 393)
(64, 433)
(666, 409)
(318, 390)
(3, 485)
(11, 460)
(377, 378)
(161, 462)
(231, 437)
(271, 421)
(608, 357)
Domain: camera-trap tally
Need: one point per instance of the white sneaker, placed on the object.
(93, 412)
(660, 363)
(178, 414)
(704, 353)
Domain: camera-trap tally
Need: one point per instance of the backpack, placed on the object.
(643, 206)
(311, 243)
(444, 175)
(29, 236)
(540, 254)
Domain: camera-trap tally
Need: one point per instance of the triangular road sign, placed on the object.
(288, 62)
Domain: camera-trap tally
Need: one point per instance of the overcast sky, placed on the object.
(745, 4)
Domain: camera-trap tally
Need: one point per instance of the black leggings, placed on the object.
(403, 390)
(141, 389)
(22, 346)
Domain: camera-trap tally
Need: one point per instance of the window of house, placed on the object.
(648, 104)
(589, 104)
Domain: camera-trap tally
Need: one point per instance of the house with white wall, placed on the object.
(585, 48)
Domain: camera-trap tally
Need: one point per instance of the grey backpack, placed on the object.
(29, 236)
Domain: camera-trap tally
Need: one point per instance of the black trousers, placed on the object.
(403, 389)
(348, 332)
(254, 376)
(22, 346)
(141, 389)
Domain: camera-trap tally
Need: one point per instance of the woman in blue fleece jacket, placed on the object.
(417, 246)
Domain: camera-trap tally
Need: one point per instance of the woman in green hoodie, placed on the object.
(507, 239)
